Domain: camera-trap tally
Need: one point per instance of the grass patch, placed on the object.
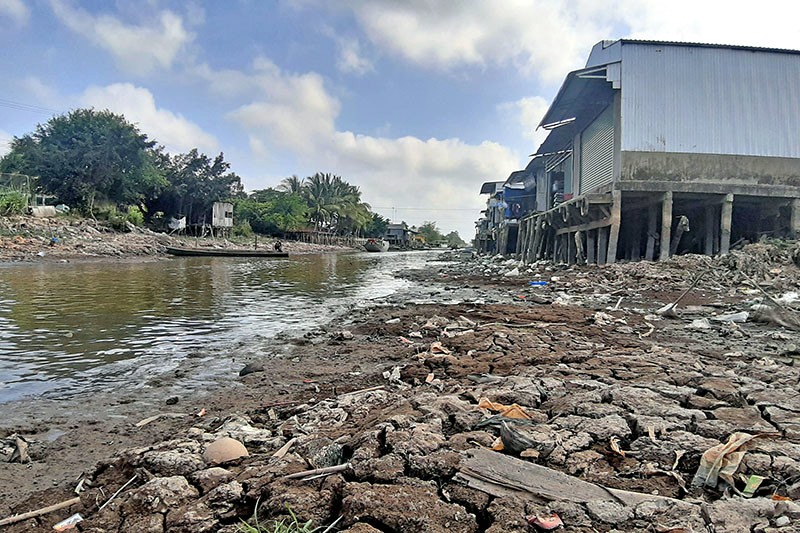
(287, 525)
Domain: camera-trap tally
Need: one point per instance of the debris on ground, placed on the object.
(609, 415)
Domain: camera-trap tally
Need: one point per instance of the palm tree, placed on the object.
(333, 203)
(292, 184)
(317, 192)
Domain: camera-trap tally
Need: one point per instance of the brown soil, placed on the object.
(595, 375)
(63, 239)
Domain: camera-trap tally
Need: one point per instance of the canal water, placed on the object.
(100, 326)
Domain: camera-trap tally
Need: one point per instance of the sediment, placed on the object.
(581, 399)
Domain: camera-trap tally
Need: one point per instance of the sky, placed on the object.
(416, 102)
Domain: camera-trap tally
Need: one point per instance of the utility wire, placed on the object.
(27, 107)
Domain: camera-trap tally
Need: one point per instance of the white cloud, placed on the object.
(548, 38)
(527, 113)
(5, 142)
(772, 24)
(538, 36)
(40, 92)
(292, 109)
(137, 48)
(138, 105)
(350, 58)
(15, 10)
(422, 180)
(295, 113)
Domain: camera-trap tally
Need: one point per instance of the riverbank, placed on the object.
(611, 394)
(60, 239)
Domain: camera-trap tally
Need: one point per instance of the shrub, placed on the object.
(242, 229)
(13, 203)
(135, 215)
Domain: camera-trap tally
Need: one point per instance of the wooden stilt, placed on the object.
(572, 252)
(652, 220)
(666, 225)
(613, 234)
(725, 225)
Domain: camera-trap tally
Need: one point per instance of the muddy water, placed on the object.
(77, 327)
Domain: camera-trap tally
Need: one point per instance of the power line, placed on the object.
(20, 106)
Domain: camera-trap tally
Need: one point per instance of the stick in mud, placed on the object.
(669, 309)
(39, 512)
(118, 491)
(318, 471)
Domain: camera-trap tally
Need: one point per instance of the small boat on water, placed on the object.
(376, 245)
(223, 252)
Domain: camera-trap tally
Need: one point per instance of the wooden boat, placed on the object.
(223, 252)
(376, 245)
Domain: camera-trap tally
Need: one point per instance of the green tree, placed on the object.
(292, 184)
(195, 182)
(377, 226)
(454, 240)
(272, 212)
(335, 205)
(86, 155)
(430, 232)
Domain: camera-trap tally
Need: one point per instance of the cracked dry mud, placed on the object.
(595, 376)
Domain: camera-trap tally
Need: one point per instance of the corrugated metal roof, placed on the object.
(491, 187)
(517, 175)
(580, 94)
(710, 99)
(708, 45)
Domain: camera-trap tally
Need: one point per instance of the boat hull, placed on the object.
(222, 252)
(376, 246)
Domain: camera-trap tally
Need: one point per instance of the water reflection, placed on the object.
(72, 327)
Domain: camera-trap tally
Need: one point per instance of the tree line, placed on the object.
(102, 165)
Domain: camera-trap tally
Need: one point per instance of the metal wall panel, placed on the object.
(710, 100)
(604, 52)
(597, 152)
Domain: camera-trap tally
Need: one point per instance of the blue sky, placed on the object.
(416, 102)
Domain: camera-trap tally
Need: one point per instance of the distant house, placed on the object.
(398, 235)
(222, 215)
(486, 227)
(401, 236)
(509, 201)
(657, 148)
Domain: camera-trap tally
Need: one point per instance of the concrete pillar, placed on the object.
(725, 224)
(652, 220)
(613, 234)
(602, 246)
(666, 225)
(794, 222)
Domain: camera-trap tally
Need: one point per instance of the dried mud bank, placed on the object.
(62, 239)
(604, 409)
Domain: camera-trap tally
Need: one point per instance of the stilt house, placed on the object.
(657, 148)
